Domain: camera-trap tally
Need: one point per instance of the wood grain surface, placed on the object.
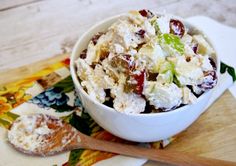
(32, 30)
(35, 30)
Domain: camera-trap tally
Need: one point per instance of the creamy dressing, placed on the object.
(25, 133)
(149, 44)
(38, 134)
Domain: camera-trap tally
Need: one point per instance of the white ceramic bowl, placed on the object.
(135, 127)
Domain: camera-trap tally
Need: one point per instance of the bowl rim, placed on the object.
(74, 55)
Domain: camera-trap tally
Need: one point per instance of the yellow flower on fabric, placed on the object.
(13, 99)
(4, 105)
(20, 97)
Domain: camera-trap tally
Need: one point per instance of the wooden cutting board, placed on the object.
(212, 135)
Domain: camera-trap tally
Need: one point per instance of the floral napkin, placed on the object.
(51, 91)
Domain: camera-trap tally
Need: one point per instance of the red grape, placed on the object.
(96, 37)
(194, 48)
(141, 33)
(123, 61)
(209, 84)
(177, 27)
(139, 78)
(83, 54)
(146, 13)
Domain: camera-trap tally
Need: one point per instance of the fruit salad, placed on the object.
(147, 63)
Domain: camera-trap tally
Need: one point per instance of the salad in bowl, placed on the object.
(142, 76)
(147, 63)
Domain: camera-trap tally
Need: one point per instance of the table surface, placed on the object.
(33, 30)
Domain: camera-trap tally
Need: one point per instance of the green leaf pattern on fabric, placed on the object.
(7, 118)
(231, 71)
(66, 84)
(74, 157)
